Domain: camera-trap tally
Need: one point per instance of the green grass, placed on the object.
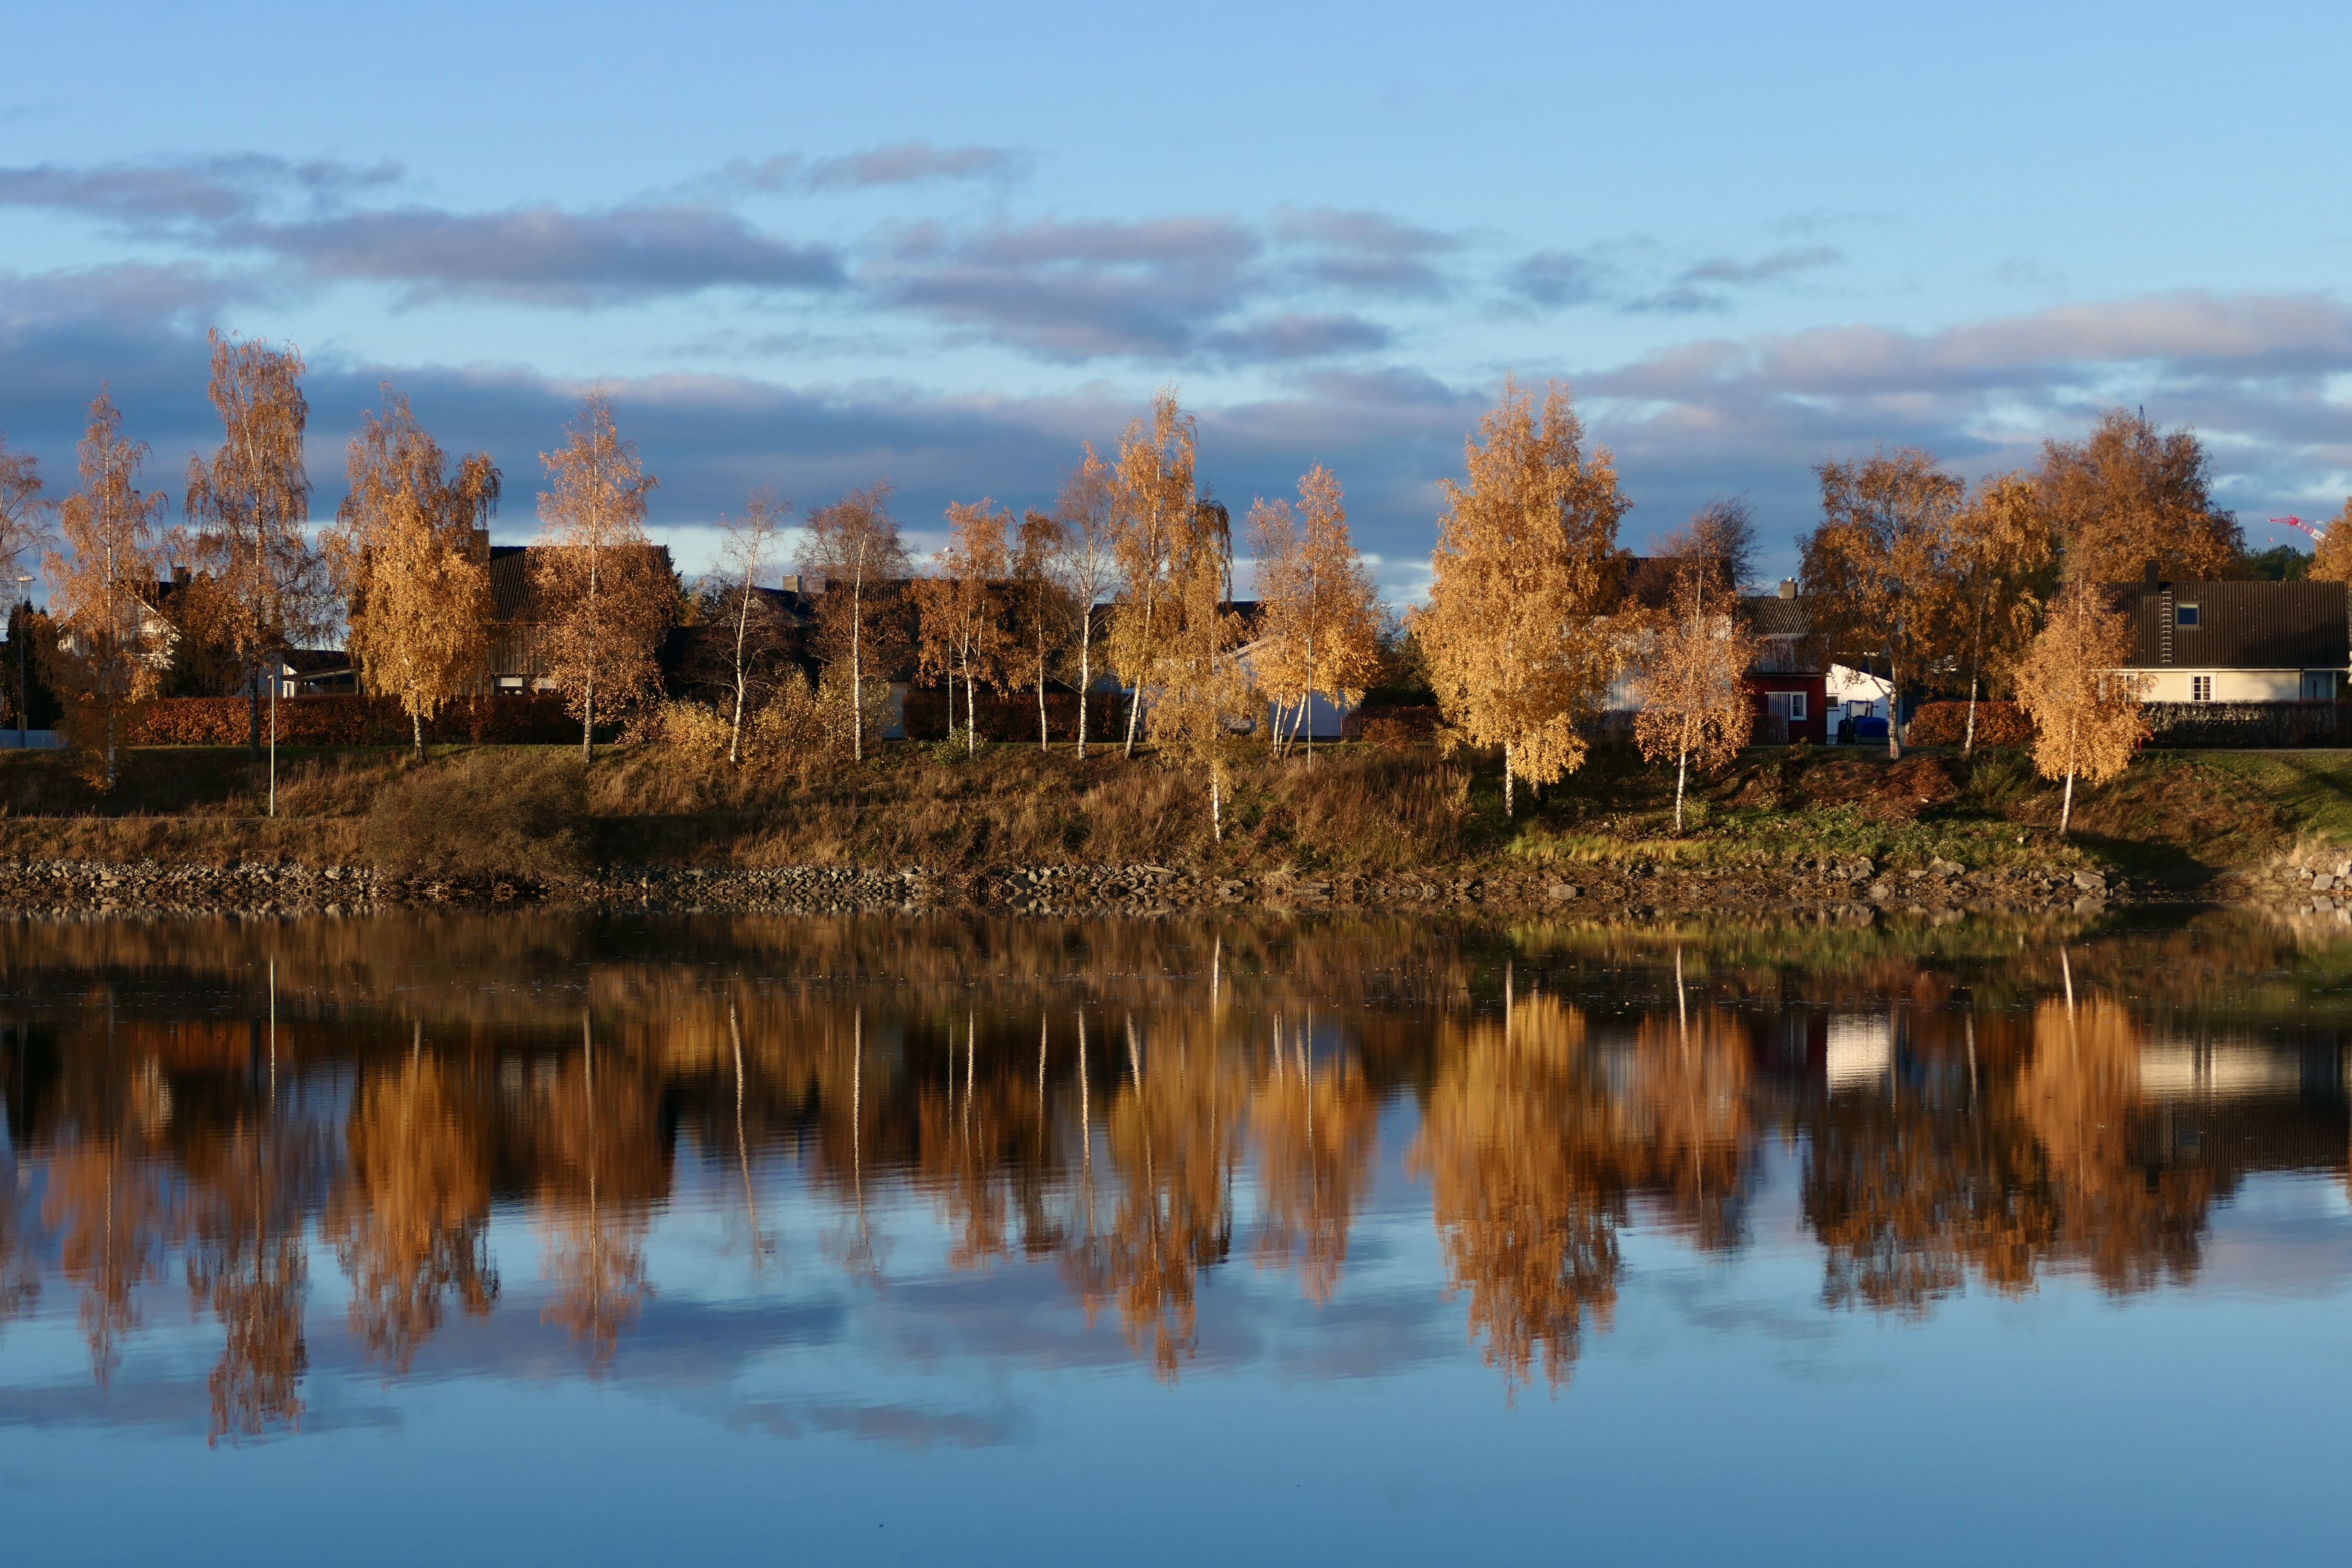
(2312, 789)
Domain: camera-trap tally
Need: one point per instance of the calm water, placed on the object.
(535, 1238)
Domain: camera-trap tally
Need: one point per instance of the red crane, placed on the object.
(2317, 533)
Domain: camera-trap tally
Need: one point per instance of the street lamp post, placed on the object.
(24, 606)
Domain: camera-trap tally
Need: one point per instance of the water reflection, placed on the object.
(1124, 1110)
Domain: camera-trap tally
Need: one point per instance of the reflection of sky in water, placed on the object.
(764, 1403)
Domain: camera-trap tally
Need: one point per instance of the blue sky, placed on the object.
(808, 247)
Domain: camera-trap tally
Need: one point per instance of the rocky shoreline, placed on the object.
(1853, 889)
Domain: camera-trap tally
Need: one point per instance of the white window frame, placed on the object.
(2200, 689)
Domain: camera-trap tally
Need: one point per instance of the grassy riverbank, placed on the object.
(533, 811)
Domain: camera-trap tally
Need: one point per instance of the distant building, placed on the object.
(2239, 642)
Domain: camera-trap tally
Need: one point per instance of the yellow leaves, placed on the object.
(1317, 631)
(1518, 650)
(2084, 704)
(604, 595)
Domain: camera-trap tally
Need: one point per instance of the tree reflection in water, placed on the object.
(1089, 1097)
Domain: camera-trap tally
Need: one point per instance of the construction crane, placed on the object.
(2317, 533)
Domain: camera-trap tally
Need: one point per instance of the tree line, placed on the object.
(1536, 613)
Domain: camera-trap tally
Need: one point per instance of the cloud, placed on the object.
(910, 162)
(1553, 279)
(901, 163)
(1366, 251)
(1074, 292)
(1764, 269)
(545, 256)
(1296, 336)
(201, 191)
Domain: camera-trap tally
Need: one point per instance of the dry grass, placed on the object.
(487, 813)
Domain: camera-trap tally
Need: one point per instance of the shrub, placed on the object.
(1392, 726)
(1946, 724)
(486, 814)
(347, 720)
(693, 725)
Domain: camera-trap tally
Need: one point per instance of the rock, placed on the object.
(2091, 881)
(1939, 867)
(1562, 892)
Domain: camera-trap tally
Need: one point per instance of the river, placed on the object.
(555, 1237)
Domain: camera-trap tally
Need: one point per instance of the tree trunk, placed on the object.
(1506, 779)
(1306, 699)
(1135, 704)
(970, 715)
(1681, 772)
(1216, 809)
(1893, 709)
(588, 723)
(858, 673)
(2066, 811)
(1045, 730)
(1968, 740)
(416, 724)
(742, 624)
(1976, 667)
(1086, 676)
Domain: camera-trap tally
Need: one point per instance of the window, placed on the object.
(2184, 614)
(2200, 688)
(1789, 705)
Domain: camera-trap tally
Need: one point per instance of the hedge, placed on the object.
(343, 719)
(1392, 725)
(2252, 724)
(1946, 724)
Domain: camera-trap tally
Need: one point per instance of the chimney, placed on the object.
(179, 574)
(791, 582)
(1788, 587)
(2154, 580)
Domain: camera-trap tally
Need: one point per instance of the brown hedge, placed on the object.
(1946, 724)
(348, 720)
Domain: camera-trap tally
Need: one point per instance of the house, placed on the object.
(2239, 642)
(1787, 681)
(516, 665)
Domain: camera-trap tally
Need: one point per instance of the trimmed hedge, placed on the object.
(1946, 724)
(2265, 725)
(343, 719)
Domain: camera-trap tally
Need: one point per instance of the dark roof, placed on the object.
(1774, 616)
(510, 593)
(2240, 626)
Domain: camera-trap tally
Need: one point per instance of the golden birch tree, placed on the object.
(1086, 566)
(1202, 697)
(1152, 506)
(2085, 706)
(1317, 628)
(604, 595)
(1998, 559)
(402, 551)
(1518, 648)
(1696, 706)
(853, 551)
(113, 649)
(2129, 494)
(962, 629)
(2331, 562)
(249, 506)
(1874, 570)
(1042, 607)
(745, 614)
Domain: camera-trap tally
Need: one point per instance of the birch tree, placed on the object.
(604, 594)
(402, 552)
(24, 516)
(1519, 651)
(1998, 558)
(1696, 706)
(1200, 695)
(962, 627)
(744, 614)
(249, 506)
(1042, 609)
(853, 551)
(2331, 562)
(1317, 630)
(2085, 706)
(1153, 499)
(1086, 568)
(113, 648)
(2129, 494)
(1874, 570)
